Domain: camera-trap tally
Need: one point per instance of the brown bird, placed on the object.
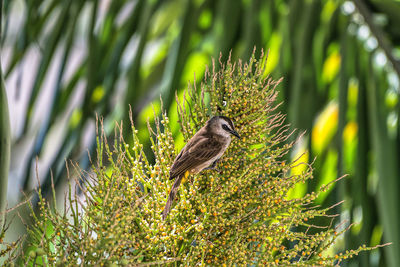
(201, 152)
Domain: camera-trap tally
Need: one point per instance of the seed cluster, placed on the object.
(8, 250)
(239, 214)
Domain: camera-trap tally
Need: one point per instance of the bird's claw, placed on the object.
(213, 165)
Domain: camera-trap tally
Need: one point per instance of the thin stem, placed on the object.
(378, 33)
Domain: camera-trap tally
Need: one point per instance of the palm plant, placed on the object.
(238, 215)
(339, 60)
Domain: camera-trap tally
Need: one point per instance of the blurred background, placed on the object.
(63, 62)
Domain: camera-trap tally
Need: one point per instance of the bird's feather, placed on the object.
(195, 154)
(172, 195)
(201, 151)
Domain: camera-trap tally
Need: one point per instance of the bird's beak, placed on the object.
(235, 133)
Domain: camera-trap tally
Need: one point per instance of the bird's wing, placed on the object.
(195, 154)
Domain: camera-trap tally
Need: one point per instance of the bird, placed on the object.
(201, 152)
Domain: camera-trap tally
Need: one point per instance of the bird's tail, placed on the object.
(172, 195)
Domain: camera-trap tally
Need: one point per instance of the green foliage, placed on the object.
(127, 52)
(238, 214)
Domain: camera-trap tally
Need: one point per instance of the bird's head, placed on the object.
(222, 125)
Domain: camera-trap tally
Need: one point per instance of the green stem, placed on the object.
(4, 141)
(386, 166)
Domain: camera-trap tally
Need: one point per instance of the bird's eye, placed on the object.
(225, 127)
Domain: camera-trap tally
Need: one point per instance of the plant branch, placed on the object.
(378, 33)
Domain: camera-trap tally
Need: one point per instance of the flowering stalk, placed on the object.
(238, 214)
